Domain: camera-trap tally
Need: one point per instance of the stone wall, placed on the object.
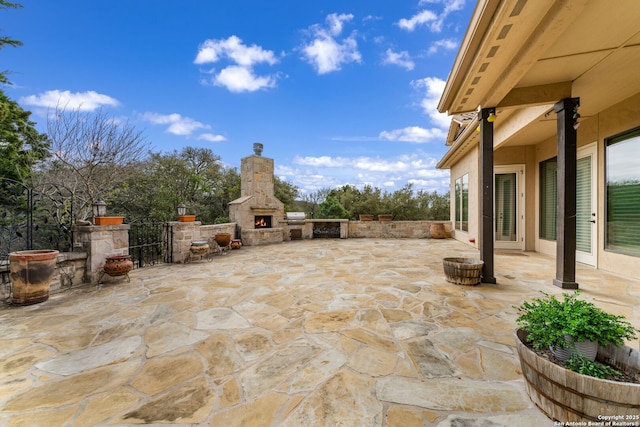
(100, 242)
(186, 232)
(391, 229)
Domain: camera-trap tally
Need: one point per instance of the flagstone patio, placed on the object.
(355, 332)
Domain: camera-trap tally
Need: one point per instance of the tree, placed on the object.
(21, 145)
(331, 209)
(286, 193)
(92, 152)
(5, 40)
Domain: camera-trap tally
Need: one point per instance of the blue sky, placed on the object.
(339, 92)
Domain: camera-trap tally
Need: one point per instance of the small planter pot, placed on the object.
(365, 217)
(588, 349)
(108, 220)
(31, 273)
(223, 239)
(199, 247)
(236, 244)
(463, 271)
(385, 217)
(567, 396)
(118, 265)
(187, 218)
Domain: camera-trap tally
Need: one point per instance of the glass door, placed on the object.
(509, 212)
(586, 225)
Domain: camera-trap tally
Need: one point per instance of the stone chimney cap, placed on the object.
(257, 148)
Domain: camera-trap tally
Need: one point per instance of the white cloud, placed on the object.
(211, 137)
(233, 49)
(446, 44)
(399, 58)
(239, 77)
(414, 134)
(324, 52)
(335, 22)
(421, 18)
(427, 17)
(432, 87)
(81, 101)
(178, 125)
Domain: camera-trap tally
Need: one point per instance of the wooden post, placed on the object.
(486, 196)
(566, 111)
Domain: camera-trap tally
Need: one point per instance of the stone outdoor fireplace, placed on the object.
(258, 214)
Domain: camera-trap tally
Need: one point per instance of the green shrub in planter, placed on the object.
(548, 320)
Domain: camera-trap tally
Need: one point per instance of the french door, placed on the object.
(509, 207)
(586, 191)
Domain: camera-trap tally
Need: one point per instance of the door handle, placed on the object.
(593, 221)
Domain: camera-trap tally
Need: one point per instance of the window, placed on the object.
(622, 170)
(548, 198)
(462, 203)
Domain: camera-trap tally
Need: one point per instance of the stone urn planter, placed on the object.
(108, 220)
(567, 396)
(365, 217)
(117, 266)
(223, 239)
(463, 271)
(31, 273)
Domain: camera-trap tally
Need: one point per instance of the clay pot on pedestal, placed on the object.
(31, 273)
(365, 217)
(118, 265)
(187, 218)
(223, 239)
(199, 247)
(385, 217)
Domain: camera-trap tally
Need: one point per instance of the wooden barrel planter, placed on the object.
(463, 271)
(566, 396)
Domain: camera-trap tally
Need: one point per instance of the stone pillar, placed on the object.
(182, 234)
(567, 176)
(100, 242)
(487, 229)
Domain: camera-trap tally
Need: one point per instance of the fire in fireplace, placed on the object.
(262, 221)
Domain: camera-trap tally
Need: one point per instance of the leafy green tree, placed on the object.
(331, 209)
(286, 193)
(21, 145)
(6, 40)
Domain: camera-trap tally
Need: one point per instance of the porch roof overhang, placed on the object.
(527, 55)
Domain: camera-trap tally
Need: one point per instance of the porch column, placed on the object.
(566, 216)
(486, 195)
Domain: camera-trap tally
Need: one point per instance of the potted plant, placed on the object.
(577, 388)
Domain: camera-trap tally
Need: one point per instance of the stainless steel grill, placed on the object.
(295, 217)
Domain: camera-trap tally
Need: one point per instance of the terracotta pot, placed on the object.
(223, 239)
(365, 217)
(385, 217)
(568, 396)
(187, 218)
(118, 265)
(108, 220)
(236, 244)
(437, 230)
(31, 272)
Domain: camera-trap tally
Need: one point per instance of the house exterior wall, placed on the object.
(469, 164)
(619, 118)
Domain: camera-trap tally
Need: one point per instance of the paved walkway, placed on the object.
(357, 332)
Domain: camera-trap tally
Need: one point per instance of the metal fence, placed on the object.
(150, 243)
